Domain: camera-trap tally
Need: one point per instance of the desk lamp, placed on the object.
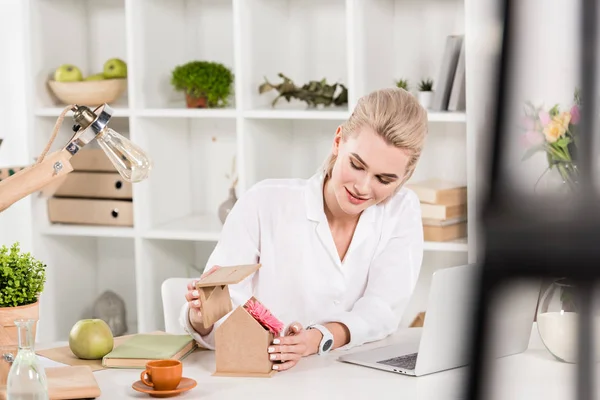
(130, 161)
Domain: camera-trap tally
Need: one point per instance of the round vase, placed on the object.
(557, 320)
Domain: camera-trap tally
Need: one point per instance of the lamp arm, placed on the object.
(48, 169)
(35, 177)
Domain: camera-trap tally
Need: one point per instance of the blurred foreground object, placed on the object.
(532, 236)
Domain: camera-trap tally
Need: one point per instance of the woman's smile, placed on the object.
(355, 199)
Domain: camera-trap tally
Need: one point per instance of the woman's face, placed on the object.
(367, 170)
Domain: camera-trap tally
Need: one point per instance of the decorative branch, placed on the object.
(314, 93)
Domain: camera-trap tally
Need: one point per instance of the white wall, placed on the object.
(15, 222)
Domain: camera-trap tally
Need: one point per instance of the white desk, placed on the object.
(530, 375)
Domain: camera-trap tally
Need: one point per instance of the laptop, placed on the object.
(444, 340)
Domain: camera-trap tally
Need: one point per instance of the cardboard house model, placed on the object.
(242, 340)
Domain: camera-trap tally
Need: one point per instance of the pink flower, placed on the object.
(544, 118)
(264, 316)
(528, 123)
(534, 138)
(575, 116)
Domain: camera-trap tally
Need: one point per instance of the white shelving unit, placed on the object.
(363, 44)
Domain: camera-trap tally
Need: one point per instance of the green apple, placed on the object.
(91, 339)
(95, 77)
(115, 68)
(67, 73)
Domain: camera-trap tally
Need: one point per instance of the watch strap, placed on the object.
(327, 340)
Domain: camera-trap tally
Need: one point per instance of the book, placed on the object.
(457, 101)
(443, 222)
(439, 191)
(442, 212)
(446, 73)
(444, 233)
(141, 348)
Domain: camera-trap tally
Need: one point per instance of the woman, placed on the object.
(341, 251)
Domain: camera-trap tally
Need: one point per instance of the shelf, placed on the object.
(303, 39)
(91, 231)
(187, 113)
(364, 45)
(82, 33)
(192, 158)
(446, 116)
(55, 111)
(168, 33)
(318, 114)
(194, 227)
(453, 245)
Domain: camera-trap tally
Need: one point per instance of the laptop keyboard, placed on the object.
(408, 361)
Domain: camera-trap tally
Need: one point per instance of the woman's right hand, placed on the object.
(195, 305)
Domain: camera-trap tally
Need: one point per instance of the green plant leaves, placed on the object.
(22, 277)
(204, 79)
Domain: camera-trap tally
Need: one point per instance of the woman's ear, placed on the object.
(336, 141)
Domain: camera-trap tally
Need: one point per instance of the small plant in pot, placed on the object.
(206, 84)
(22, 280)
(425, 92)
(403, 84)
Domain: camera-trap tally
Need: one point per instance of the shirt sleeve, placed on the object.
(392, 278)
(239, 244)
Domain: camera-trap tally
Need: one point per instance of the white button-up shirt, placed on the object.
(281, 224)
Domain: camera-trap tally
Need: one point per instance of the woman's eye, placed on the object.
(355, 166)
(383, 181)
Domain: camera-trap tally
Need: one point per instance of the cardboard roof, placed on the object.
(227, 275)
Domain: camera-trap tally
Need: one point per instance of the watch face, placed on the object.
(327, 345)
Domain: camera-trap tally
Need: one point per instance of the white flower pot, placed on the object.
(425, 99)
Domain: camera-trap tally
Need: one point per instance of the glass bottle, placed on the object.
(27, 377)
(128, 158)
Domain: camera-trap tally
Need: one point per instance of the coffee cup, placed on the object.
(162, 374)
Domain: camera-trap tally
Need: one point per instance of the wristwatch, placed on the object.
(327, 340)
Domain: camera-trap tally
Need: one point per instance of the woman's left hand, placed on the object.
(297, 343)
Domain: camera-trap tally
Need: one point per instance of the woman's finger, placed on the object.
(294, 328)
(191, 295)
(191, 285)
(296, 348)
(285, 356)
(284, 365)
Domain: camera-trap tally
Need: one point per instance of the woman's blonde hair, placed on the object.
(396, 116)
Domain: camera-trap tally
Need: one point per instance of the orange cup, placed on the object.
(162, 374)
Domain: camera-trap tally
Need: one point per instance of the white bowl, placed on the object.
(89, 93)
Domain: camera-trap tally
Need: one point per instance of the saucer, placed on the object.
(185, 385)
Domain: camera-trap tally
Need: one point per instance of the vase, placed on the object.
(27, 376)
(425, 99)
(227, 205)
(558, 318)
(195, 102)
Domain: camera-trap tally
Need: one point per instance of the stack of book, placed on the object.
(443, 209)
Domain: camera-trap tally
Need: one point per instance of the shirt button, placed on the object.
(336, 302)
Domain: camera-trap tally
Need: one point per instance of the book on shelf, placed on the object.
(439, 191)
(136, 351)
(443, 87)
(443, 209)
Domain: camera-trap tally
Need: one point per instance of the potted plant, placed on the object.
(425, 92)
(22, 280)
(206, 84)
(402, 83)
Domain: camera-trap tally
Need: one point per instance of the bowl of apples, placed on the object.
(71, 87)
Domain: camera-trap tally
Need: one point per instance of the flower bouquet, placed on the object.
(554, 132)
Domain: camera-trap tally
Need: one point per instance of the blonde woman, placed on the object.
(341, 251)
